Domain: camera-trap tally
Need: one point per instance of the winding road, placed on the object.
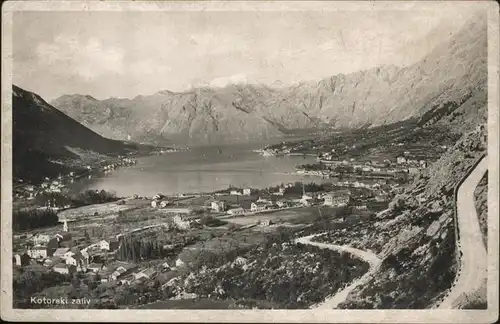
(473, 263)
(374, 262)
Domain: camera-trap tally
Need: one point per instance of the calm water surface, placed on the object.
(202, 169)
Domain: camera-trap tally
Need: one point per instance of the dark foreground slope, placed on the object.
(47, 142)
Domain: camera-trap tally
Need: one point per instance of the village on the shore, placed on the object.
(75, 246)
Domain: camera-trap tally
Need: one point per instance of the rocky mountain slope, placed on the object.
(47, 142)
(447, 77)
(481, 203)
(415, 237)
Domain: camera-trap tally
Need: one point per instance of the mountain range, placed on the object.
(449, 74)
(46, 142)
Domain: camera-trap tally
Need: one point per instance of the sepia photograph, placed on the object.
(250, 161)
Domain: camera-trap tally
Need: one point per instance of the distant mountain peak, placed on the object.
(380, 95)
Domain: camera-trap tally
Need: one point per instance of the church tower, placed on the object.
(65, 226)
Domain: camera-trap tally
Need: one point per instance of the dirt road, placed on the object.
(473, 265)
(374, 262)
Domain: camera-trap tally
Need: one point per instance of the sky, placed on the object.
(125, 54)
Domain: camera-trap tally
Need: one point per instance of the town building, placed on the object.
(95, 267)
(258, 206)
(40, 239)
(360, 207)
(281, 203)
(127, 280)
(103, 245)
(400, 160)
(340, 198)
(149, 273)
(37, 252)
(266, 222)
(413, 170)
(53, 261)
(218, 206)
(64, 268)
(247, 191)
(61, 237)
(235, 193)
(21, 259)
(62, 252)
(179, 263)
(236, 211)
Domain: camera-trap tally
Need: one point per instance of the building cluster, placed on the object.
(404, 164)
(65, 254)
(56, 185)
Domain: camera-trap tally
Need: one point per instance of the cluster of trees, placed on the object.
(133, 249)
(33, 218)
(211, 221)
(27, 282)
(87, 197)
(309, 187)
(314, 167)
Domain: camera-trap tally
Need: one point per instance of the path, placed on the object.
(373, 261)
(473, 263)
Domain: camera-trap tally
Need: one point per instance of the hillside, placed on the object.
(415, 237)
(47, 142)
(481, 203)
(444, 79)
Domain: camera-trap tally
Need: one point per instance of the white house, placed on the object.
(78, 261)
(179, 263)
(266, 222)
(95, 267)
(218, 206)
(146, 273)
(235, 193)
(120, 271)
(258, 206)
(401, 159)
(337, 199)
(239, 261)
(236, 211)
(281, 203)
(247, 191)
(61, 252)
(37, 252)
(103, 245)
(40, 239)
